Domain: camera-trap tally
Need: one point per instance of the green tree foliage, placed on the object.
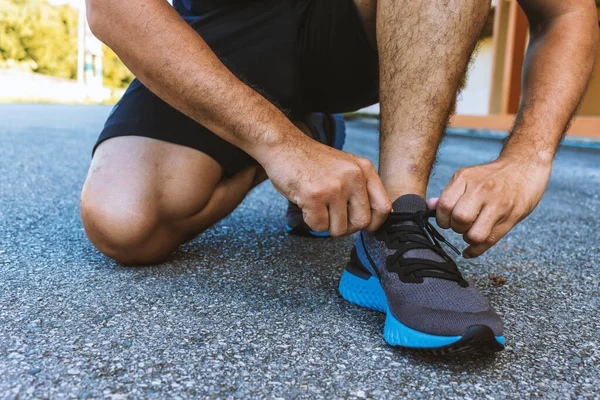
(38, 37)
(116, 75)
(42, 36)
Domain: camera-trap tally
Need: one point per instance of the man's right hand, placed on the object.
(338, 192)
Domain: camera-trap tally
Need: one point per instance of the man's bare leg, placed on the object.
(144, 197)
(424, 50)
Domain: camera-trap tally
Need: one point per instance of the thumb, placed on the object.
(433, 203)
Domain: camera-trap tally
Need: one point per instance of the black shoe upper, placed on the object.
(424, 288)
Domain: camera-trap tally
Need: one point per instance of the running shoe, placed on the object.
(329, 129)
(402, 271)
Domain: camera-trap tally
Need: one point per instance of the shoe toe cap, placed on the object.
(445, 322)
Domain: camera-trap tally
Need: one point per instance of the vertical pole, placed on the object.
(515, 56)
(98, 74)
(510, 41)
(80, 43)
(498, 54)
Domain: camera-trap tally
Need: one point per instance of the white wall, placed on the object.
(26, 86)
(475, 97)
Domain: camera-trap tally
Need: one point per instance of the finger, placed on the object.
(380, 204)
(338, 217)
(465, 213)
(359, 210)
(483, 226)
(448, 200)
(497, 232)
(433, 203)
(316, 216)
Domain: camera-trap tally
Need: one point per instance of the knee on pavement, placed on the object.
(131, 233)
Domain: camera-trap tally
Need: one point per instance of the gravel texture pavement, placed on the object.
(246, 311)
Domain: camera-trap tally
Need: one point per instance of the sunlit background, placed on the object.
(48, 54)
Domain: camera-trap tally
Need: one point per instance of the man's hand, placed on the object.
(484, 202)
(337, 191)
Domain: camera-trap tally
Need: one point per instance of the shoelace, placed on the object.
(419, 235)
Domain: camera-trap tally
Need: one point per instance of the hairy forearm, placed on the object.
(558, 65)
(175, 63)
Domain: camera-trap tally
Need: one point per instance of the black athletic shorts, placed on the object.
(303, 55)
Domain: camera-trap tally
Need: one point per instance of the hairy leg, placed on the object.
(144, 197)
(424, 50)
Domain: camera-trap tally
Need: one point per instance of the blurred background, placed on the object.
(48, 54)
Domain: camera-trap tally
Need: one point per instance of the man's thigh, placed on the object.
(143, 197)
(141, 175)
(339, 57)
(367, 10)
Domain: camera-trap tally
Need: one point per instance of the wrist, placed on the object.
(277, 144)
(527, 155)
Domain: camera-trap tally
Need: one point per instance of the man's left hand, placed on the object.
(485, 202)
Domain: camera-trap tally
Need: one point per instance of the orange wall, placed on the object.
(590, 105)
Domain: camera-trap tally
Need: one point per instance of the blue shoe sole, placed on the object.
(303, 232)
(369, 293)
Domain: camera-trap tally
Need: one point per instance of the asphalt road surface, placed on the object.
(246, 311)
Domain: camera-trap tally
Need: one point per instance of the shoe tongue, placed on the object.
(409, 203)
(413, 203)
